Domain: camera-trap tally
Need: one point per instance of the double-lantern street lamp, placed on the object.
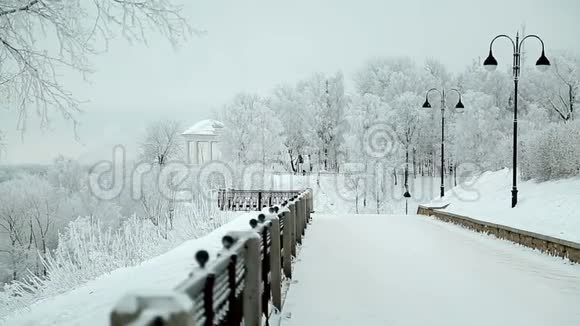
(490, 64)
(459, 105)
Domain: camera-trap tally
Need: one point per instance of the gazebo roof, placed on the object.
(205, 127)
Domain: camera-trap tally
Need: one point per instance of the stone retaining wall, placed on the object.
(546, 244)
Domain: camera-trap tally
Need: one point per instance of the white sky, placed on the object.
(255, 45)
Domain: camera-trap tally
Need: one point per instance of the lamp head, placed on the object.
(426, 104)
(543, 63)
(490, 64)
(459, 106)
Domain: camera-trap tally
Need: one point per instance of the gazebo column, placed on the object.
(196, 155)
(188, 145)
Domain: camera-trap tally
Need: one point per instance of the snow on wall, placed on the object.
(551, 208)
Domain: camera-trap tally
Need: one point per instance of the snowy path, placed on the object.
(411, 270)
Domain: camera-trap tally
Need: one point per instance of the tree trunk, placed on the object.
(356, 197)
(291, 161)
(414, 164)
(407, 167)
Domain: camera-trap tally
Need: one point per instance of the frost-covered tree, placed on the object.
(288, 105)
(557, 90)
(270, 142)
(364, 142)
(12, 231)
(238, 117)
(389, 77)
(32, 213)
(67, 174)
(497, 84)
(552, 152)
(325, 98)
(365, 112)
(253, 132)
(437, 73)
(161, 143)
(567, 70)
(41, 39)
(405, 118)
(479, 135)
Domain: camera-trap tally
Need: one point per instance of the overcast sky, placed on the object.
(255, 45)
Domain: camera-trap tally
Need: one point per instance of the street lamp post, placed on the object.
(490, 64)
(459, 105)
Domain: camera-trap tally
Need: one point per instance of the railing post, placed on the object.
(287, 240)
(275, 267)
(259, 201)
(208, 300)
(310, 203)
(292, 206)
(265, 232)
(234, 304)
(299, 218)
(306, 209)
(252, 291)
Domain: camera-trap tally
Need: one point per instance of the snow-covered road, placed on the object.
(412, 270)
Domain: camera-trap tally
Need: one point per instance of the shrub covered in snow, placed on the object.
(88, 249)
(551, 153)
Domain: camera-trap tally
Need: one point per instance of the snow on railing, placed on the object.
(252, 200)
(237, 287)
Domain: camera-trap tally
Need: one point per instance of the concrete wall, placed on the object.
(546, 244)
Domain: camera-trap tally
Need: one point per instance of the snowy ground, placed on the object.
(92, 303)
(551, 208)
(412, 270)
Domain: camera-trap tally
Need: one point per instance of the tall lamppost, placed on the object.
(459, 105)
(490, 64)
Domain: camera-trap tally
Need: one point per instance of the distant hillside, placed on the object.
(8, 172)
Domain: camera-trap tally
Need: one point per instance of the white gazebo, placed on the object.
(202, 141)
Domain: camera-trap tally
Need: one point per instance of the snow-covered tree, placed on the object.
(497, 84)
(74, 32)
(161, 143)
(480, 135)
(405, 118)
(552, 152)
(253, 132)
(389, 77)
(12, 228)
(325, 98)
(558, 89)
(32, 212)
(67, 174)
(288, 104)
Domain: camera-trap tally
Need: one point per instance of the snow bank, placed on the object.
(551, 208)
(91, 303)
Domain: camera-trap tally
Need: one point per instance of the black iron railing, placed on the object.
(252, 200)
(236, 287)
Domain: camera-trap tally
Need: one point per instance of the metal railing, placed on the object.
(238, 286)
(252, 200)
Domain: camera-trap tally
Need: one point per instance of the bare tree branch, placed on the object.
(23, 8)
(41, 39)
